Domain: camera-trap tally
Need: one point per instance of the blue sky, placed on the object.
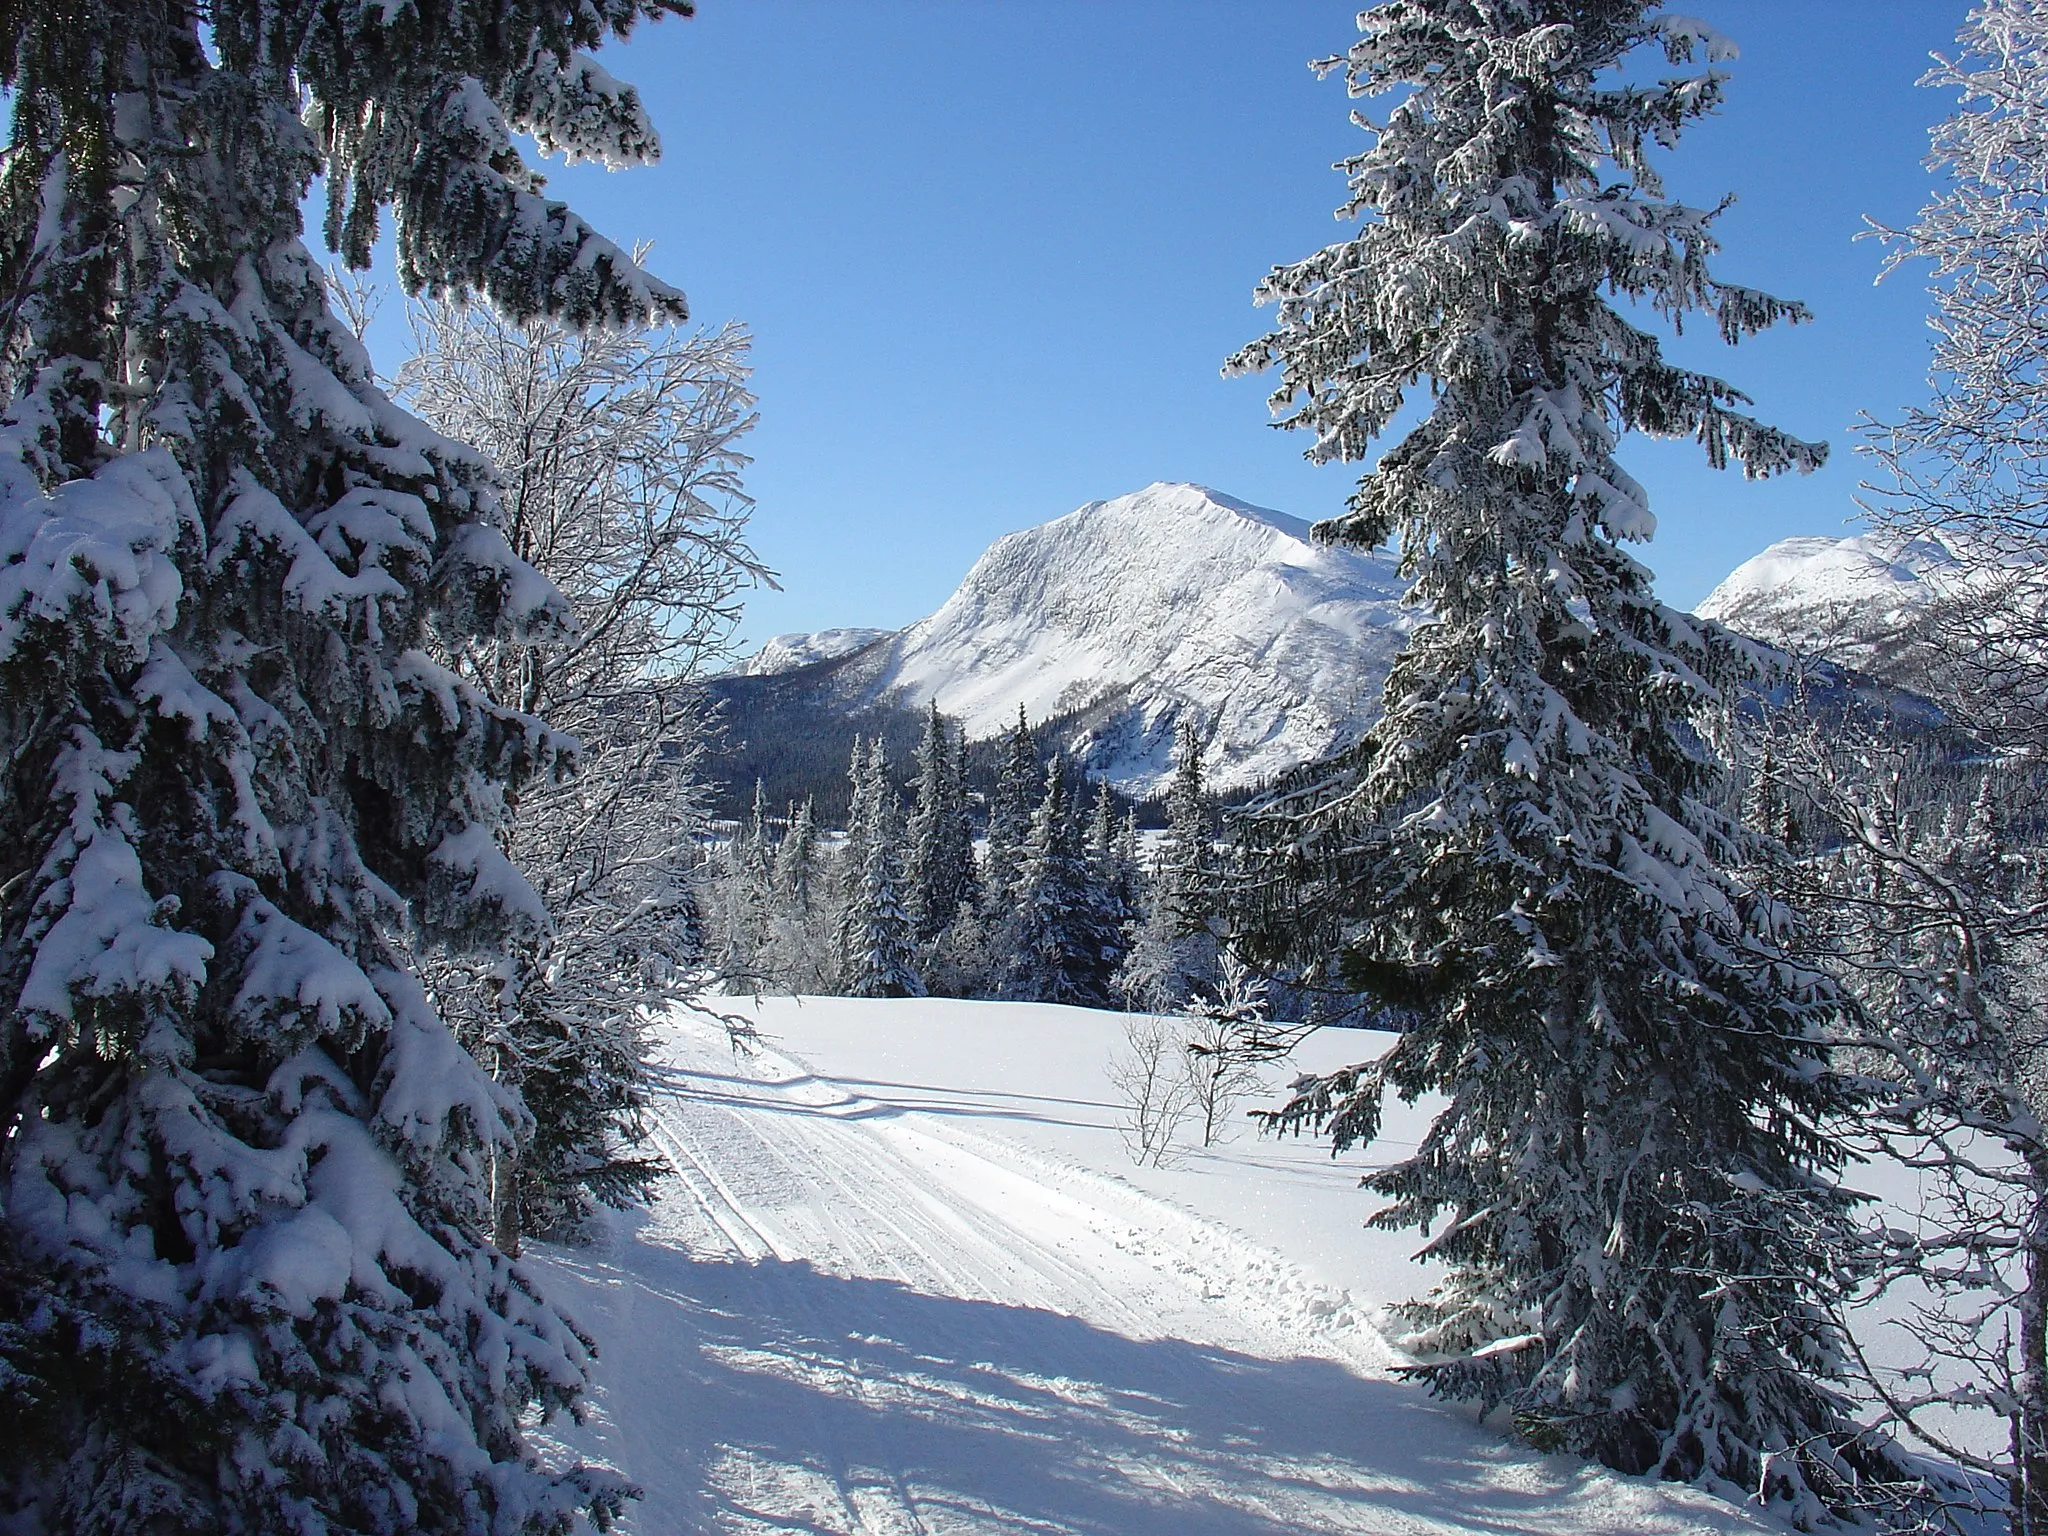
(993, 253)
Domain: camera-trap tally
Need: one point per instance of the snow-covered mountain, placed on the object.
(1852, 600)
(786, 653)
(1121, 616)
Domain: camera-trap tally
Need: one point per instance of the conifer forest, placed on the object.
(1232, 1024)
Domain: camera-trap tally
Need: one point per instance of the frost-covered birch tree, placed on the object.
(1925, 896)
(618, 453)
(1629, 1188)
(1937, 910)
(245, 1281)
(1969, 467)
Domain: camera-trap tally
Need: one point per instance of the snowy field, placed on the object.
(909, 1281)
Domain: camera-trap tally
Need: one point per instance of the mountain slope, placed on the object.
(1121, 616)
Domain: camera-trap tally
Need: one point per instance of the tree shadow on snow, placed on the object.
(734, 1091)
(772, 1396)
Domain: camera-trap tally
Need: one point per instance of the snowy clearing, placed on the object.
(908, 1281)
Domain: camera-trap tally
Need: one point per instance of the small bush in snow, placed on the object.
(1150, 1075)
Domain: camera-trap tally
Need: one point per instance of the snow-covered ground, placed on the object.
(908, 1281)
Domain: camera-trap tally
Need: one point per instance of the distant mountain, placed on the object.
(786, 653)
(1114, 621)
(1854, 601)
(1110, 623)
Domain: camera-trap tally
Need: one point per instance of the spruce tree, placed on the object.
(1009, 819)
(850, 862)
(1113, 856)
(245, 1278)
(747, 903)
(1188, 860)
(1173, 953)
(941, 858)
(1629, 1188)
(1062, 942)
(796, 861)
(862, 788)
(960, 828)
(876, 958)
(801, 958)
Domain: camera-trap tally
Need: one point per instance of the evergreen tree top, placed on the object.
(1512, 199)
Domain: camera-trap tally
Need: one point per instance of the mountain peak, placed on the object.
(1123, 615)
(1167, 500)
(1853, 600)
(1119, 618)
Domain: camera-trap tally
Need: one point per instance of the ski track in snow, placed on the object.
(844, 1317)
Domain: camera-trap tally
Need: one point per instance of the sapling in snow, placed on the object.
(1228, 1036)
(1150, 1075)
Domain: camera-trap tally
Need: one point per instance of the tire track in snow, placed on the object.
(835, 1155)
(801, 1170)
(849, 1319)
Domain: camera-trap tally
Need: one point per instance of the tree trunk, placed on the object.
(2030, 1451)
(505, 1202)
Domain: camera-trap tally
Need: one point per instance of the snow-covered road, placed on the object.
(854, 1313)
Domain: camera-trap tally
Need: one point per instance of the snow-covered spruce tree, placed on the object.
(850, 858)
(1629, 1187)
(1018, 777)
(746, 906)
(1118, 872)
(245, 1283)
(1061, 943)
(1173, 952)
(618, 456)
(876, 954)
(941, 858)
(802, 952)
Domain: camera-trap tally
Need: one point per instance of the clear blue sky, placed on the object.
(993, 253)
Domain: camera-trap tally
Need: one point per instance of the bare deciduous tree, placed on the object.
(1953, 967)
(1970, 467)
(620, 457)
(1151, 1077)
(1929, 908)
